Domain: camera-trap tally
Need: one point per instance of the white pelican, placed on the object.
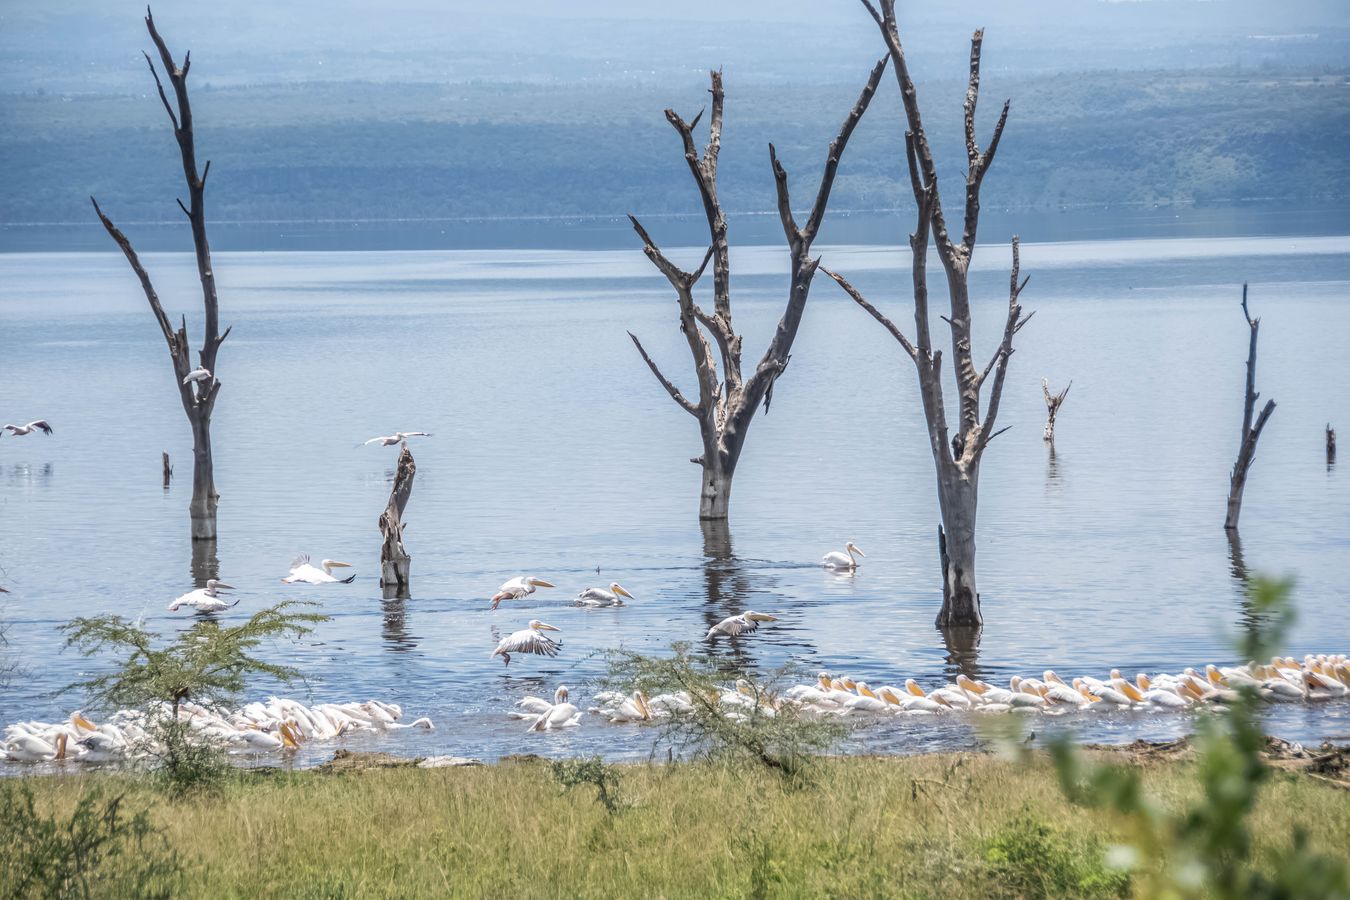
(201, 373)
(735, 625)
(20, 430)
(560, 713)
(600, 597)
(204, 599)
(303, 571)
(520, 586)
(528, 640)
(398, 437)
(836, 560)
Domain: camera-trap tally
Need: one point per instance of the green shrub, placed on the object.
(99, 851)
(571, 773)
(1029, 859)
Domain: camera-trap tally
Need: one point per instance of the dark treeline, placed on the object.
(331, 150)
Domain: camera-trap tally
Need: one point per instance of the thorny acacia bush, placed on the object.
(207, 663)
(1206, 850)
(759, 729)
(99, 851)
(572, 773)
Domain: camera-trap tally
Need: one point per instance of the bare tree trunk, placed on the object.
(1331, 445)
(168, 470)
(394, 560)
(198, 395)
(1250, 432)
(1052, 404)
(727, 402)
(955, 457)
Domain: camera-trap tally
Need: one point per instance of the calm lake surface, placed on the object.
(556, 454)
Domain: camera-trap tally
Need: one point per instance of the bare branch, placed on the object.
(875, 313)
(125, 245)
(780, 180)
(665, 382)
(1005, 349)
(972, 97)
(173, 117)
(836, 151)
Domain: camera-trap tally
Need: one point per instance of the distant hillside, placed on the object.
(334, 150)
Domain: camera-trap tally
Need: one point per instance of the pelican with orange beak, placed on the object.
(599, 597)
(528, 640)
(304, 572)
(842, 562)
(736, 625)
(518, 587)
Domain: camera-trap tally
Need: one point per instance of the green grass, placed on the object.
(910, 826)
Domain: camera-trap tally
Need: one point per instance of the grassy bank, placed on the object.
(949, 825)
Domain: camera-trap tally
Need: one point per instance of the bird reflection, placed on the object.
(394, 629)
(30, 473)
(205, 562)
(963, 651)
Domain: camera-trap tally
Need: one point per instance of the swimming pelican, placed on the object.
(302, 571)
(735, 625)
(205, 599)
(21, 430)
(560, 714)
(201, 373)
(836, 560)
(528, 640)
(602, 597)
(520, 586)
(398, 437)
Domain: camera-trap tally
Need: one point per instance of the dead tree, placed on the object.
(1250, 432)
(198, 393)
(1331, 445)
(727, 402)
(168, 470)
(1052, 404)
(956, 456)
(394, 560)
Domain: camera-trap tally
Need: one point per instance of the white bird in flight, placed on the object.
(205, 599)
(20, 430)
(836, 560)
(201, 373)
(528, 640)
(398, 437)
(305, 572)
(597, 597)
(520, 586)
(734, 625)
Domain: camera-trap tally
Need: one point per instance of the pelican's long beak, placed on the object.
(539, 582)
(221, 584)
(889, 696)
(337, 564)
(81, 722)
(858, 550)
(543, 627)
(1145, 683)
(1130, 691)
(764, 617)
(867, 692)
(619, 589)
(913, 687)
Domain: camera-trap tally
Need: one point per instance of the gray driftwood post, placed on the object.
(1052, 404)
(956, 456)
(1251, 432)
(198, 395)
(727, 403)
(168, 470)
(1331, 445)
(394, 559)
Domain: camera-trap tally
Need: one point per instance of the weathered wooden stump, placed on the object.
(168, 471)
(1052, 404)
(394, 559)
(1331, 445)
(1250, 432)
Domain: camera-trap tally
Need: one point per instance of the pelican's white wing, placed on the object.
(528, 641)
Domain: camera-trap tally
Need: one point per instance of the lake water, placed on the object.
(555, 453)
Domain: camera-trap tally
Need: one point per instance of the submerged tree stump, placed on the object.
(1250, 432)
(1052, 404)
(1331, 445)
(168, 470)
(394, 559)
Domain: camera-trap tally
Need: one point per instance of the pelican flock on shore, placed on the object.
(279, 725)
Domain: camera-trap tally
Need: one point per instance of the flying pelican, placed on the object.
(528, 640)
(735, 625)
(20, 430)
(303, 571)
(204, 599)
(518, 587)
(201, 373)
(560, 713)
(836, 560)
(398, 437)
(602, 597)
